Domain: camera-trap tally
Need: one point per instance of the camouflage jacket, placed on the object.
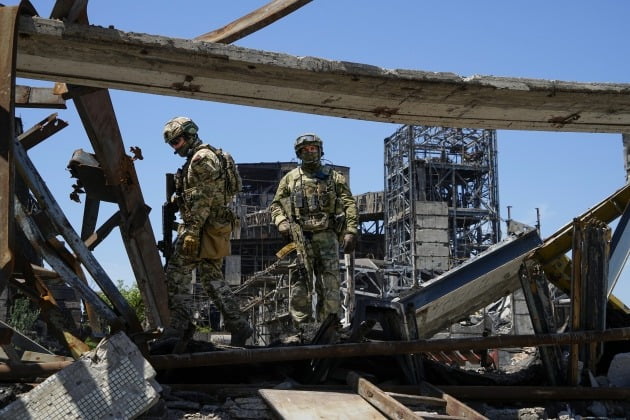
(316, 200)
(200, 188)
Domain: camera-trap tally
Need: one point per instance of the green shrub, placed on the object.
(133, 297)
(22, 316)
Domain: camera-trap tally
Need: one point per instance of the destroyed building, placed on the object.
(431, 252)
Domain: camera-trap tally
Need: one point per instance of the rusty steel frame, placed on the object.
(99, 119)
(35, 237)
(384, 348)
(8, 53)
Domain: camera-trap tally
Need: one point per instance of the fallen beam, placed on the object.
(535, 393)
(251, 22)
(108, 58)
(385, 348)
(478, 282)
(463, 392)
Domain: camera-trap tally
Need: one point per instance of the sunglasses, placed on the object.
(174, 141)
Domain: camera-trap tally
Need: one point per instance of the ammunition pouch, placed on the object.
(216, 232)
(314, 222)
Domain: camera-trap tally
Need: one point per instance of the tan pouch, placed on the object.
(215, 240)
(315, 223)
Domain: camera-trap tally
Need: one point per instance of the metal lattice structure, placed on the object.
(441, 197)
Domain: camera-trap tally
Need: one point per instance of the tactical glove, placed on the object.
(284, 228)
(349, 243)
(190, 244)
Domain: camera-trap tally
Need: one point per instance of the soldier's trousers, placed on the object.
(209, 274)
(323, 250)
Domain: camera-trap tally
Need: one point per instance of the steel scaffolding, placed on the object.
(441, 197)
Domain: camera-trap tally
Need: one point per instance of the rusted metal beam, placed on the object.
(102, 232)
(73, 263)
(8, 52)
(72, 10)
(385, 348)
(63, 227)
(534, 393)
(97, 114)
(251, 22)
(90, 218)
(41, 131)
(38, 242)
(60, 323)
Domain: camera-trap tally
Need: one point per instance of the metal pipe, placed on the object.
(231, 357)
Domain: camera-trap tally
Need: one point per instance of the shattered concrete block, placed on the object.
(111, 381)
(619, 370)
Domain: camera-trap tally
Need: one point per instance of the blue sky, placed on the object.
(562, 174)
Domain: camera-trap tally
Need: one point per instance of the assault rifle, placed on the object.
(169, 209)
(304, 269)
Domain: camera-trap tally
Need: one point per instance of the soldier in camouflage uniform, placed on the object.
(203, 205)
(318, 200)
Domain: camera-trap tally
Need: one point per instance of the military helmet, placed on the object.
(306, 139)
(180, 126)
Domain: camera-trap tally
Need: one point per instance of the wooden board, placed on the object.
(108, 58)
(304, 405)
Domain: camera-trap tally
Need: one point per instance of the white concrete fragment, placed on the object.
(619, 370)
(113, 381)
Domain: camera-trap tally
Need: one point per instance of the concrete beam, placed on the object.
(109, 58)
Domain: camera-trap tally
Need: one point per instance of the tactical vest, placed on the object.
(314, 200)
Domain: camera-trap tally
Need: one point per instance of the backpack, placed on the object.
(233, 181)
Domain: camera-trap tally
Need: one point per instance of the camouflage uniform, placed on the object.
(202, 201)
(318, 199)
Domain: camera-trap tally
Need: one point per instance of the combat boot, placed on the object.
(240, 336)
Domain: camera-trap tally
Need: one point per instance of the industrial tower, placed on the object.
(441, 198)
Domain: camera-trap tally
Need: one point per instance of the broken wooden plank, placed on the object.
(536, 292)
(410, 399)
(385, 403)
(454, 407)
(293, 404)
(34, 236)
(253, 21)
(36, 357)
(109, 58)
(8, 51)
(36, 97)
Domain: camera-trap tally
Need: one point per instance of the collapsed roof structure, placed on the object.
(87, 60)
